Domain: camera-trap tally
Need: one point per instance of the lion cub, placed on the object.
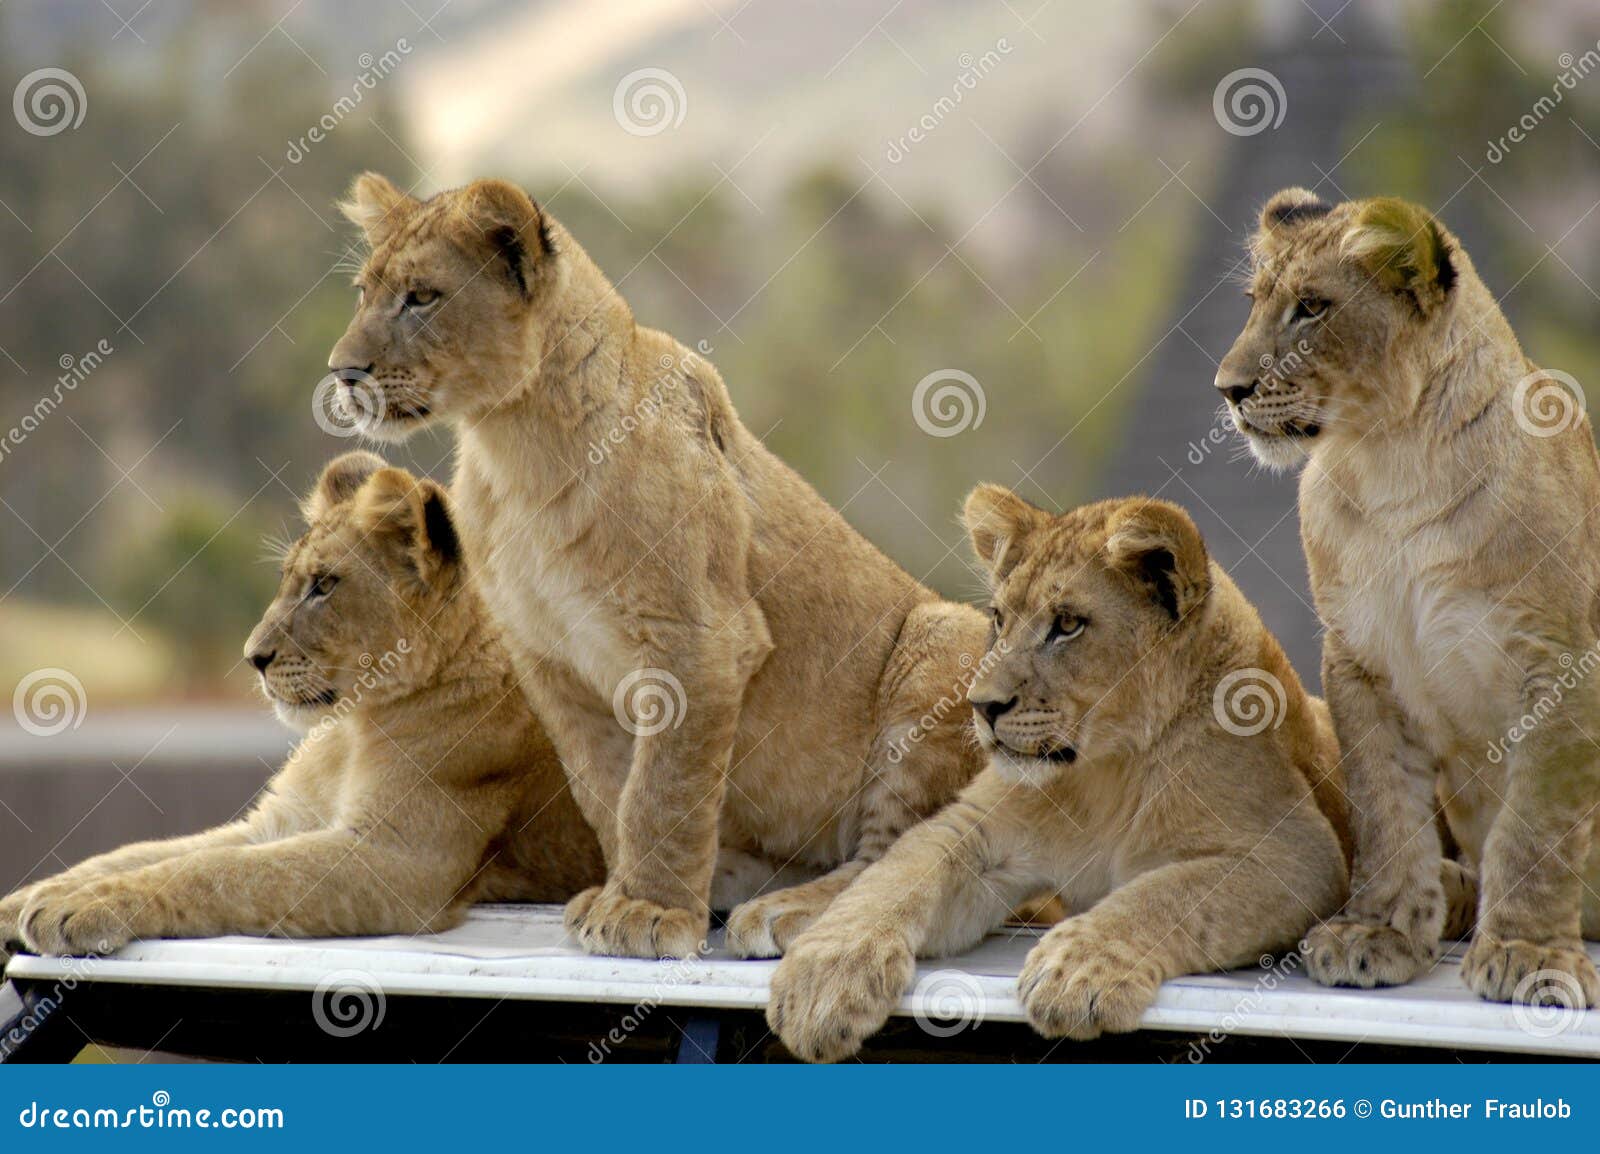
(1448, 508)
(423, 784)
(719, 656)
(1152, 758)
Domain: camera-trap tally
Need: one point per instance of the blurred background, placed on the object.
(927, 241)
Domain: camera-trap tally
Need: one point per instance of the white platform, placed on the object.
(522, 952)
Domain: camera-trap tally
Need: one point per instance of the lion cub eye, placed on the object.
(420, 298)
(323, 584)
(1064, 628)
(1309, 308)
(997, 617)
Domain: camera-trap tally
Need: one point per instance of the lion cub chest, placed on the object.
(1399, 608)
(546, 599)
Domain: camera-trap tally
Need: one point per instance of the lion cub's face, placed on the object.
(442, 324)
(1080, 601)
(1335, 291)
(360, 592)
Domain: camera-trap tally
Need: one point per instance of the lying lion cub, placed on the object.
(716, 652)
(423, 784)
(1449, 512)
(1152, 758)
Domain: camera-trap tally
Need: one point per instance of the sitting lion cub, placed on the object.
(1152, 758)
(719, 656)
(424, 782)
(1448, 507)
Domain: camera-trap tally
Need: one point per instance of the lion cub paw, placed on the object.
(764, 927)
(607, 921)
(833, 992)
(1513, 970)
(1343, 953)
(1079, 986)
(89, 920)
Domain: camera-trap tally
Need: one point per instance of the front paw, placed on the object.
(1530, 973)
(1080, 986)
(607, 921)
(1347, 953)
(86, 921)
(764, 927)
(833, 992)
(11, 915)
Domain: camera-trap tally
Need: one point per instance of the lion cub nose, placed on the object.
(1236, 390)
(262, 658)
(992, 710)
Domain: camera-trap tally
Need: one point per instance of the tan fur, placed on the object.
(1180, 846)
(1454, 556)
(623, 523)
(424, 782)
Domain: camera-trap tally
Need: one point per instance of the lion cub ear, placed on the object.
(340, 480)
(1404, 248)
(416, 513)
(999, 522)
(376, 207)
(511, 224)
(1157, 545)
(1292, 206)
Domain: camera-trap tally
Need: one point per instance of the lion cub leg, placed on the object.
(656, 901)
(922, 757)
(1528, 946)
(1099, 972)
(328, 883)
(940, 888)
(1391, 925)
(128, 857)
